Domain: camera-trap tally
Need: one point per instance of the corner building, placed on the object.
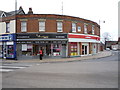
(57, 35)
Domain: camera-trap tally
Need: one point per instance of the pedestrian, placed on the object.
(41, 54)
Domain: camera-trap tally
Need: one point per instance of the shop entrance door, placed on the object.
(84, 49)
(63, 51)
(93, 48)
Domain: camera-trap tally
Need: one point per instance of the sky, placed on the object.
(94, 10)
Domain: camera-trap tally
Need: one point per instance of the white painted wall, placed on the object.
(2, 27)
(12, 26)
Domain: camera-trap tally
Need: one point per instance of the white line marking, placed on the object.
(6, 70)
(11, 67)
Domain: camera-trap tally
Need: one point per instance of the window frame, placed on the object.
(79, 29)
(93, 29)
(74, 26)
(85, 28)
(59, 26)
(23, 26)
(41, 26)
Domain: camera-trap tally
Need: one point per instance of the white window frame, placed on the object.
(59, 26)
(85, 28)
(41, 25)
(74, 27)
(79, 28)
(93, 29)
(23, 26)
(8, 27)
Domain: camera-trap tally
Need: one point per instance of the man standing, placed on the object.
(41, 54)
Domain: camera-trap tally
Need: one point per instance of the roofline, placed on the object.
(67, 16)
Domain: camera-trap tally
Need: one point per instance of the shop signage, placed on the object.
(7, 37)
(41, 36)
(42, 42)
(83, 36)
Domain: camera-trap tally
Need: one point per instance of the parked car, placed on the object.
(115, 49)
(108, 49)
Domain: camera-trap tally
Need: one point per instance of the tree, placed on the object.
(106, 37)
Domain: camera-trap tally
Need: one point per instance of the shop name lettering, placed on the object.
(42, 36)
(5, 38)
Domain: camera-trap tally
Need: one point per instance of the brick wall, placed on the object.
(51, 23)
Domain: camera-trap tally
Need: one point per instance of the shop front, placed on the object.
(8, 46)
(53, 45)
(82, 45)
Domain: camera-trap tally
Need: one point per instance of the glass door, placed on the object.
(84, 49)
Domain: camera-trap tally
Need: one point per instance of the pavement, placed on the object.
(71, 59)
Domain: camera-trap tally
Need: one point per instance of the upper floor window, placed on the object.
(93, 29)
(7, 27)
(41, 25)
(85, 28)
(59, 26)
(79, 29)
(73, 27)
(23, 26)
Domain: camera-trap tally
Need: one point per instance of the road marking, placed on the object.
(11, 67)
(6, 70)
(14, 67)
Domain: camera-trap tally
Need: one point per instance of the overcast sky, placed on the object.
(95, 10)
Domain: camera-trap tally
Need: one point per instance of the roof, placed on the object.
(20, 11)
(111, 42)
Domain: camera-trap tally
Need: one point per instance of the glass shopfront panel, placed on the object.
(56, 49)
(27, 49)
(73, 47)
(1, 51)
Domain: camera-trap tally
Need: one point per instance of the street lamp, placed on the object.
(102, 21)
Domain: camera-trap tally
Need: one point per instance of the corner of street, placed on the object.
(47, 60)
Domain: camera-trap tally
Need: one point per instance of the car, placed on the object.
(115, 49)
(108, 49)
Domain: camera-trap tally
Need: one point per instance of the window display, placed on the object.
(73, 48)
(10, 51)
(0, 50)
(56, 49)
(27, 49)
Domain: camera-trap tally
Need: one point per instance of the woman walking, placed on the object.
(41, 54)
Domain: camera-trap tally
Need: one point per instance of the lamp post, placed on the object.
(102, 21)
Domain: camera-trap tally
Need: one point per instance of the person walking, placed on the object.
(41, 54)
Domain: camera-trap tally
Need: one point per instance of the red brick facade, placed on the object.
(51, 23)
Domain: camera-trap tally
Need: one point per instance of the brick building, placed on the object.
(22, 35)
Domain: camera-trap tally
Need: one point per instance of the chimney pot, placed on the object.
(30, 11)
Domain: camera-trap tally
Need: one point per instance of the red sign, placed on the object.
(83, 36)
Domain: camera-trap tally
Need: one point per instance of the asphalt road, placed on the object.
(96, 73)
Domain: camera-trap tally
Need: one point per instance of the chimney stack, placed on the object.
(30, 11)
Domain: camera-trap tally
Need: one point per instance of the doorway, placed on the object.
(85, 49)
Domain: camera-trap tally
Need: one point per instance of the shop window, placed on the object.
(1, 51)
(23, 26)
(10, 51)
(85, 28)
(7, 27)
(56, 49)
(27, 49)
(74, 49)
(59, 27)
(41, 25)
(73, 27)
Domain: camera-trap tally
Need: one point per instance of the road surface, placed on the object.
(96, 73)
